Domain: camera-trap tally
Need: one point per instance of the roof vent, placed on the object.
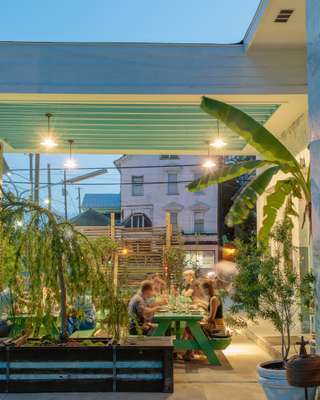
(283, 16)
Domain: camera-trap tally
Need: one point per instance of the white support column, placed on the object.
(313, 30)
(1, 167)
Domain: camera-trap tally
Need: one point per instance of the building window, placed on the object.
(138, 220)
(198, 222)
(137, 185)
(172, 183)
(174, 219)
(169, 157)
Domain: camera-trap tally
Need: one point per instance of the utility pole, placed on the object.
(49, 187)
(79, 199)
(36, 178)
(31, 175)
(65, 194)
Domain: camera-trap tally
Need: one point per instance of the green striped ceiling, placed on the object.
(119, 127)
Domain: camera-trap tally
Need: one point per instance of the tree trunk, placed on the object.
(63, 301)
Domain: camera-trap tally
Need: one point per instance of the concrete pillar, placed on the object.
(313, 64)
(1, 167)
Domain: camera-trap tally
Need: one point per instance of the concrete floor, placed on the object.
(196, 380)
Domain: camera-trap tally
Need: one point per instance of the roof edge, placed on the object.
(252, 29)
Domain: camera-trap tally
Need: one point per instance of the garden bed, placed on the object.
(140, 365)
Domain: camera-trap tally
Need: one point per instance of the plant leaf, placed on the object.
(252, 131)
(248, 196)
(225, 173)
(274, 202)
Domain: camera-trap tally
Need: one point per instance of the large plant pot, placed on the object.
(138, 366)
(273, 379)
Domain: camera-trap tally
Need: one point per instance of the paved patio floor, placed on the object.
(195, 380)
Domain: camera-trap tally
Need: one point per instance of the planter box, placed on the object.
(142, 365)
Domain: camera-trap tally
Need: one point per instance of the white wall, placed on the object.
(156, 200)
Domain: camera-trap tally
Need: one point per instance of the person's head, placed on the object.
(146, 289)
(208, 288)
(188, 275)
(159, 284)
(197, 290)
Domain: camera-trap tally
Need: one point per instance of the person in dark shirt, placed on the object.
(141, 311)
(214, 322)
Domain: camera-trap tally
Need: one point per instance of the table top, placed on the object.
(177, 316)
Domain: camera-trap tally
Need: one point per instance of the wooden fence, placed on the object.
(141, 250)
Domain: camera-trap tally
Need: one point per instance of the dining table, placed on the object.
(176, 322)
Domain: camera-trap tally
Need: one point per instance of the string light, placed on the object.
(49, 142)
(218, 143)
(18, 223)
(71, 162)
(46, 201)
(208, 163)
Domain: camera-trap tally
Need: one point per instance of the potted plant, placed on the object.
(269, 287)
(47, 265)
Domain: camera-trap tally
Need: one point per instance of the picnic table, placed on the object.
(200, 341)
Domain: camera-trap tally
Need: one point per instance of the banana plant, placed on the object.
(275, 158)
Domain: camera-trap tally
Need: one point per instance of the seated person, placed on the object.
(141, 310)
(188, 279)
(199, 298)
(82, 315)
(5, 307)
(159, 285)
(214, 322)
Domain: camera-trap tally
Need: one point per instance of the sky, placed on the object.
(180, 21)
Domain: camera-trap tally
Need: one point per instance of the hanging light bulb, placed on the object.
(48, 142)
(208, 163)
(71, 162)
(218, 143)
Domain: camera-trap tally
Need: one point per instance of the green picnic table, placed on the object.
(200, 341)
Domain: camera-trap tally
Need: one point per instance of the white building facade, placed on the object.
(152, 185)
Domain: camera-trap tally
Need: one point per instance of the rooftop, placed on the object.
(103, 201)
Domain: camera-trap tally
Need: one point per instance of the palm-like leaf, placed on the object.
(274, 154)
(247, 197)
(274, 203)
(252, 131)
(226, 173)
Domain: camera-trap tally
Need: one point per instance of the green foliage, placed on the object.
(48, 264)
(268, 286)
(176, 262)
(275, 158)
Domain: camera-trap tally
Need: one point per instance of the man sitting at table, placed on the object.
(141, 311)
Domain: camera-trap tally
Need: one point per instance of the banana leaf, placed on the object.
(248, 196)
(274, 203)
(252, 131)
(225, 173)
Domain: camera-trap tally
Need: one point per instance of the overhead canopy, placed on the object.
(115, 127)
(144, 97)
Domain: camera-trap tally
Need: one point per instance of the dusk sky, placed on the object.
(205, 21)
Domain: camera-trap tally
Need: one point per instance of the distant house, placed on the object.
(103, 203)
(90, 218)
(152, 185)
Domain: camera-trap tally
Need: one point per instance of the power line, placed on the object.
(116, 168)
(103, 184)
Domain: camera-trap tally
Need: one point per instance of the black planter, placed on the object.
(146, 366)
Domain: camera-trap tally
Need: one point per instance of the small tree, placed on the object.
(56, 263)
(268, 285)
(176, 262)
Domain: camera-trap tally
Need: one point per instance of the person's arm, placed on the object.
(214, 304)
(150, 310)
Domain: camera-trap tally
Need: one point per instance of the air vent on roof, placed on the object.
(283, 15)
